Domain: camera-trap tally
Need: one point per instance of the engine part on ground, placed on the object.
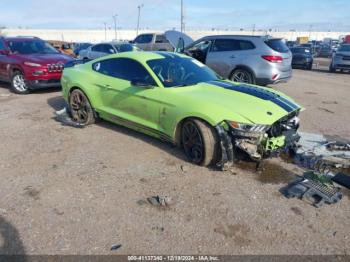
(316, 152)
(314, 188)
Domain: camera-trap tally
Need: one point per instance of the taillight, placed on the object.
(273, 58)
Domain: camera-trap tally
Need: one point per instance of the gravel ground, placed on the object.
(77, 191)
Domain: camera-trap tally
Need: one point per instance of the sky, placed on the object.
(282, 15)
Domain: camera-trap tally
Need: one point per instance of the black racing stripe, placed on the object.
(260, 93)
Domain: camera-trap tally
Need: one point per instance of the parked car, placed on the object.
(325, 51)
(153, 42)
(30, 63)
(63, 47)
(341, 59)
(251, 59)
(178, 99)
(302, 57)
(103, 49)
(80, 46)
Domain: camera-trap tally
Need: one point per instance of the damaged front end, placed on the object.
(256, 141)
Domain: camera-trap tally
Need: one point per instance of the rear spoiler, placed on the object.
(73, 63)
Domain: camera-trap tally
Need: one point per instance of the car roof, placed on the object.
(233, 36)
(143, 56)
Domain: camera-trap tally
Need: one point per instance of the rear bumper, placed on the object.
(42, 84)
(266, 81)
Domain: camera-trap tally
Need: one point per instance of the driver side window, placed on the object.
(199, 51)
(123, 68)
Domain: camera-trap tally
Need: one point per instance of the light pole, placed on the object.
(105, 31)
(138, 19)
(182, 16)
(115, 26)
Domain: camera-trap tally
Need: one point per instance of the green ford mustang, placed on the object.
(178, 99)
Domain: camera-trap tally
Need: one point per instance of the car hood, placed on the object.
(343, 53)
(46, 58)
(173, 37)
(238, 102)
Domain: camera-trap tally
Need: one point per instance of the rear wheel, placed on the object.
(242, 76)
(80, 108)
(18, 83)
(331, 69)
(199, 141)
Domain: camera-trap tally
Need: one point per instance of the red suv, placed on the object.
(30, 63)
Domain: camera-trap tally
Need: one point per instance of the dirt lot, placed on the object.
(76, 191)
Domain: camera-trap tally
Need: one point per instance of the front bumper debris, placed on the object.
(235, 144)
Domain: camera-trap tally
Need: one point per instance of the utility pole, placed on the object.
(310, 29)
(105, 31)
(182, 16)
(115, 26)
(138, 19)
(253, 29)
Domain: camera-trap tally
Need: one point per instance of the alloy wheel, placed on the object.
(192, 142)
(241, 76)
(79, 107)
(19, 83)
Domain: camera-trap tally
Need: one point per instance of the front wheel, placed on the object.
(80, 108)
(18, 83)
(199, 141)
(331, 69)
(242, 76)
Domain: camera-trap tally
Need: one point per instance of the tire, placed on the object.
(242, 76)
(199, 141)
(331, 69)
(80, 108)
(18, 83)
(309, 66)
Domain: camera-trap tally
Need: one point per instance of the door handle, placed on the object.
(232, 56)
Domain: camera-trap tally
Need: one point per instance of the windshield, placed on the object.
(300, 50)
(344, 48)
(31, 47)
(178, 71)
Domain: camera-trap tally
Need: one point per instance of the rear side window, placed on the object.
(161, 39)
(97, 48)
(277, 45)
(144, 39)
(123, 68)
(224, 45)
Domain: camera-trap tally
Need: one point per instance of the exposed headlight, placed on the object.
(32, 64)
(249, 127)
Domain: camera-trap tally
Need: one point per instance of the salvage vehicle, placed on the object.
(103, 49)
(30, 63)
(302, 58)
(341, 59)
(180, 100)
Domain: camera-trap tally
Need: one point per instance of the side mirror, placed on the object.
(141, 83)
(180, 47)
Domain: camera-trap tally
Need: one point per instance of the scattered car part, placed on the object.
(64, 118)
(162, 201)
(316, 152)
(115, 247)
(315, 188)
